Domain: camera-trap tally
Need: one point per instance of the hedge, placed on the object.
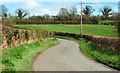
(53, 22)
(27, 35)
(105, 42)
(15, 36)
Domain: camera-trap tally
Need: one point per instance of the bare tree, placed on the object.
(3, 11)
(63, 14)
(88, 10)
(21, 13)
(106, 11)
(72, 13)
(46, 16)
(63, 11)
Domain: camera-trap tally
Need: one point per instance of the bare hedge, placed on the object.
(15, 36)
(105, 42)
(52, 22)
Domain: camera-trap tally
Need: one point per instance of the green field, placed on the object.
(99, 30)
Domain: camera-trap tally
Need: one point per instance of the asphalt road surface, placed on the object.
(66, 56)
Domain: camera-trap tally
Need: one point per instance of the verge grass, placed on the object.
(102, 55)
(20, 58)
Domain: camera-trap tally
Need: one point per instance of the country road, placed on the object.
(66, 56)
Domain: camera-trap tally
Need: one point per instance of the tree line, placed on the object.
(65, 16)
(68, 15)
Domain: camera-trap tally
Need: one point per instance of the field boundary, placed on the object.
(105, 42)
(14, 36)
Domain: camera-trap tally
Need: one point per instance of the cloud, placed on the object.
(44, 10)
(36, 8)
(31, 4)
(60, 0)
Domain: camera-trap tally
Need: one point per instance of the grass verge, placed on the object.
(20, 58)
(102, 55)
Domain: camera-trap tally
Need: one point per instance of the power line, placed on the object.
(76, 4)
(83, 3)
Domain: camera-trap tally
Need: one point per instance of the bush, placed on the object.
(9, 37)
(118, 29)
(9, 21)
(8, 70)
(94, 19)
(26, 35)
(16, 32)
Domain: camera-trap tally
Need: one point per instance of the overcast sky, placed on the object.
(40, 7)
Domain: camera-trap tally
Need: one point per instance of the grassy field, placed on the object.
(20, 58)
(99, 30)
(102, 55)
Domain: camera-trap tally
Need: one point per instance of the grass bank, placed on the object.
(98, 30)
(20, 58)
(107, 57)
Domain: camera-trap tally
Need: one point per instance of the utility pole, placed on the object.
(118, 20)
(81, 20)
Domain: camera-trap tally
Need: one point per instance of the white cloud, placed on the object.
(60, 0)
(31, 4)
(44, 10)
(36, 8)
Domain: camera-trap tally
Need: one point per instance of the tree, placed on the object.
(118, 25)
(5, 15)
(46, 16)
(114, 16)
(95, 19)
(21, 14)
(63, 11)
(118, 28)
(10, 15)
(3, 11)
(88, 10)
(63, 14)
(106, 11)
(72, 13)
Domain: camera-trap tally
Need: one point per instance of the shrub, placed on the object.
(26, 33)
(94, 19)
(9, 37)
(118, 29)
(16, 32)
